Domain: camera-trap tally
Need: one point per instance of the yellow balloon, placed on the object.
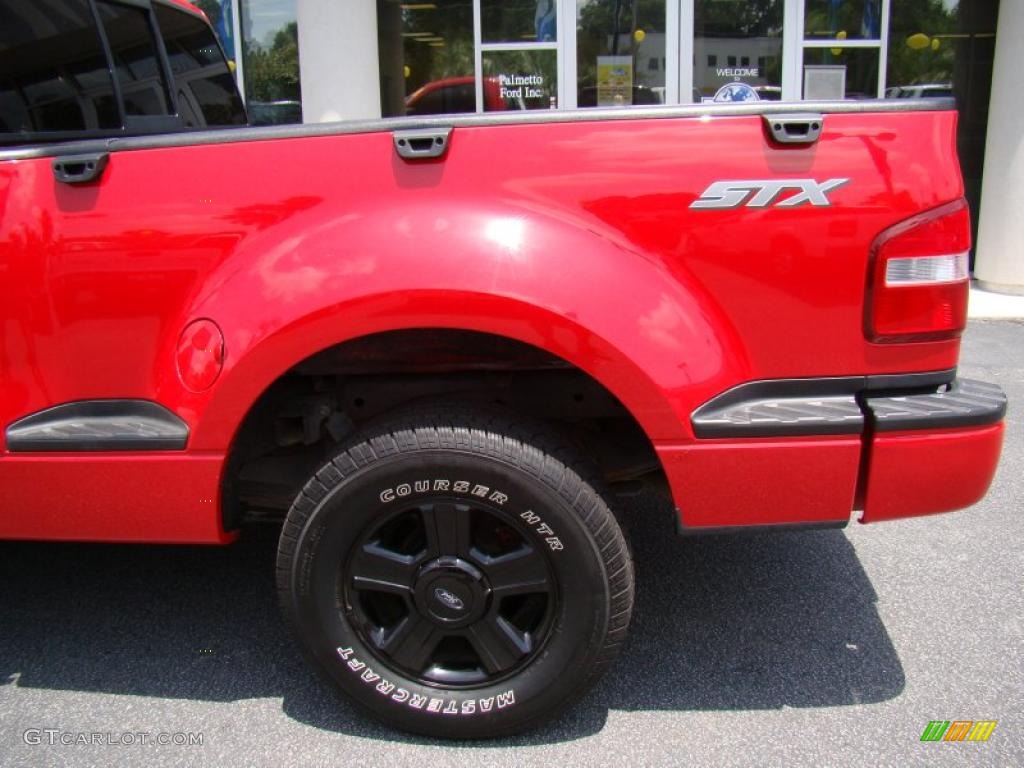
(406, 70)
(639, 35)
(935, 44)
(840, 35)
(918, 41)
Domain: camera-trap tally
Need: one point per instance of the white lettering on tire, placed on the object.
(417, 701)
(531, 518)
(543, 530)
(457, 486)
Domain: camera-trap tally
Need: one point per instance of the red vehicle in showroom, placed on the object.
(437, 349)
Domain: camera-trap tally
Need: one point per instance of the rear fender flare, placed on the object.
(639, 326)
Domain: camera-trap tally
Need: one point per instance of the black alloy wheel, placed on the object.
(451, 593)
(457, 573)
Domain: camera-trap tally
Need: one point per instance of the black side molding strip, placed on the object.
(793, 407)
(99, 425)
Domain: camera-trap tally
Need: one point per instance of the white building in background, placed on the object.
(999, 262)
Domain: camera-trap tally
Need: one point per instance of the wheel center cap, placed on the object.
(451, 592)
(449, 600)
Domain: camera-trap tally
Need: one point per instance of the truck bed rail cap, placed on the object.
(270, 133)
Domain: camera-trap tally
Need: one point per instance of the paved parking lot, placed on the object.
(823, 648)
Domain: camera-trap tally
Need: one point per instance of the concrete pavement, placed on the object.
(805, 648)
(991, 305)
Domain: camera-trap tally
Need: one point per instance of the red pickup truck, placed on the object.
(443, 351)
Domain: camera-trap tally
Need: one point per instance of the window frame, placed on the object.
(142, 124)
(879, 44)
(558, 45)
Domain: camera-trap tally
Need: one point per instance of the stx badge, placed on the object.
(762, 193)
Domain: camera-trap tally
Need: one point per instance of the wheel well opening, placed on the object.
(299, 420)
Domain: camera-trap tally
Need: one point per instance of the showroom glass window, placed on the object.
(621, 55)
(429, 60)
(925, 44)
(513, 21)
(947, 49)
(426, 57)
(842, 49)
(519, 54)
(738, 40)
(843, 19)
(270, 54)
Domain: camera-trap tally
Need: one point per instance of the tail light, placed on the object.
(918, 286)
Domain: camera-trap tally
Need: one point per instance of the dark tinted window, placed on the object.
(135, 59)
(53, 72)
(205, 88)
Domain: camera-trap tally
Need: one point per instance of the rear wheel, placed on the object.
(455, 574)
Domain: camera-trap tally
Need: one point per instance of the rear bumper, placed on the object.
(810, 451)
(928, 471)
(932, 451)
(961, 403)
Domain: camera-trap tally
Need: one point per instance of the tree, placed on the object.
(272, 74)
(919, 52)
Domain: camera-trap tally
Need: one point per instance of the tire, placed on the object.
(454, 574)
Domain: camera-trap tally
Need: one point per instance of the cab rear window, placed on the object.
(53, 70)
(205, 88)
(136, 59)
(72, 69)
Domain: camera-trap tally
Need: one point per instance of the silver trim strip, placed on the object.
(270, 133)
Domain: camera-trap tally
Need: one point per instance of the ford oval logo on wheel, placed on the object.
(452, 601)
